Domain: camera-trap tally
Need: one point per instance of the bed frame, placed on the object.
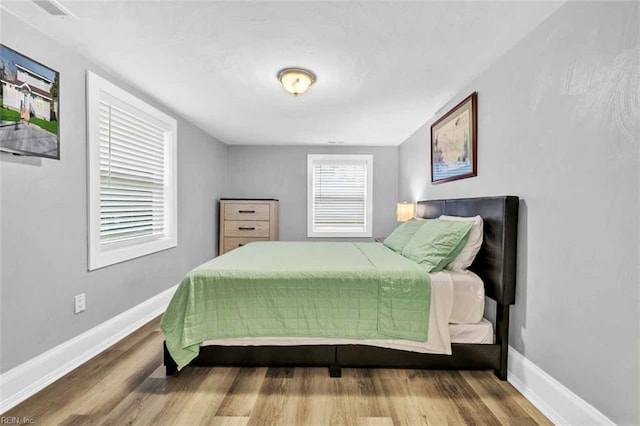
(495, 264)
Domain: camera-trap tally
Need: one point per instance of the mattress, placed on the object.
(444, 286)
(468, 297)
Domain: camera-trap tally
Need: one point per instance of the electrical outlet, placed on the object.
(81, 303)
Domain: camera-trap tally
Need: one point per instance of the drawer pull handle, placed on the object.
(246, 211)
(245, 228)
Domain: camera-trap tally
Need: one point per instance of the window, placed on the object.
(339, 195)
(132, 176)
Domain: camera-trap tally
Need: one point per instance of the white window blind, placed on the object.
(339, 195)
(132, 176)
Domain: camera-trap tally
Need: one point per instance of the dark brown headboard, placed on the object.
(496, 261)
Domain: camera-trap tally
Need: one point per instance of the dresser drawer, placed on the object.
(246, 211)
(246, 228)
(231, 243)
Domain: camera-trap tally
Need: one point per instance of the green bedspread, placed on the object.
(312, 289)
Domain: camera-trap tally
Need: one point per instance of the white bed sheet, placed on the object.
(468, 298)
(479, 333)
(438, 341)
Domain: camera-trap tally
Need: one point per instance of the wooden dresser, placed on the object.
(246, 220)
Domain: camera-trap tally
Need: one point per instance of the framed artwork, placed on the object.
(454, 143)
(29, 108)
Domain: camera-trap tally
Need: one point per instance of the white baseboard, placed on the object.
(554, 400)
(25, 380)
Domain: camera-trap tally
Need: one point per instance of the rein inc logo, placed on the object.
(4, 420)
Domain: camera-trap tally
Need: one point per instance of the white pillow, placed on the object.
(462, 261)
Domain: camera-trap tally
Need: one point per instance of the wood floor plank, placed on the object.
(502, 398)
(270, 405)
(374, 421)
(243, 392)
(363, 398)
(390, 373)
(178, 392)
(81, 420)
(142, 404)
(126, 385)
(202, 405)
(280, 372)
(310, 398)
(229, 421)
(462, 401)
(433, 403)
(134, 338)
(337, 403)
(69, 387)
(131, 370)
(398, 397)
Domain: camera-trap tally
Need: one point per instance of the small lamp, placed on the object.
(405, 211)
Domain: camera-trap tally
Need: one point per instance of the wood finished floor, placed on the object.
(126, 385)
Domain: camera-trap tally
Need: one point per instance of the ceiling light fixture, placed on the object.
(296, 80)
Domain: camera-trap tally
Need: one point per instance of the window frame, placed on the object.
(335, 233)
(98, 89)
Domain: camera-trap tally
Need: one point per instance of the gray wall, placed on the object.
(44, 221)
(558, 126)
(281, 172)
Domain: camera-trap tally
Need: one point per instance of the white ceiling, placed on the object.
(383, 68)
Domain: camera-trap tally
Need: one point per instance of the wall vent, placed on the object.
(54, 8)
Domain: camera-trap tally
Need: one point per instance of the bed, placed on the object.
(387, 329)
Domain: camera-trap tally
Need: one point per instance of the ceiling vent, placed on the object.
(54, 8)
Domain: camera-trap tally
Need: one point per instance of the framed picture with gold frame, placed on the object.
(454, 142)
